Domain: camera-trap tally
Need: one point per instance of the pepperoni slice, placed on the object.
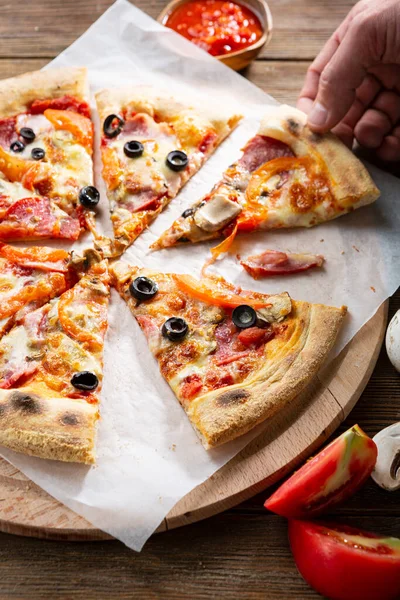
(272, 262)
(8, 133)
(33, 218)
(261, 149)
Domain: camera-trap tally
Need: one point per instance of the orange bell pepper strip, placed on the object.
(210, 294)
(18, 169)
(54, 285)
(81, 127)
(47, 259)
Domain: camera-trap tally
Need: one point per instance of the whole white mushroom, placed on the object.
(393, 341)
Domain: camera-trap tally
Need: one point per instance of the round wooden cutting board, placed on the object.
(25, 509)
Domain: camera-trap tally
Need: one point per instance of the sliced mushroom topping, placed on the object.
(216, 213)
(387, 469)
(281, 305)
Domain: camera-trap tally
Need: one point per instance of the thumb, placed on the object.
(340, 79)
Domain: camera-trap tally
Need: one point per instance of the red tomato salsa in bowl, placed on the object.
(217, 26)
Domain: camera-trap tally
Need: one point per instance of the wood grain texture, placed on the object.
(46, 27)
(242, 553)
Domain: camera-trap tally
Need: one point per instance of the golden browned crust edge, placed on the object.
(151, 99)
(18, 93)
(227, 413)
(352, 184)
(48, 427)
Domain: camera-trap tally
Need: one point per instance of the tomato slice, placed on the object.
(344, 563)
(213, 294)
(329, 478)
(81, 127)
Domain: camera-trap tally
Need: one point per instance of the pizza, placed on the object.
(232, 357)
(287, 176)
(46, 147)
(51, 370)
(151, 145)
(275, 262)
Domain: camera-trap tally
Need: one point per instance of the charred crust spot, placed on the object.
(315, 137)
(27, 403)
(70, 419)
(232, 397)
(293, 126)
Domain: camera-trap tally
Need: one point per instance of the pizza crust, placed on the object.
(352, 185)
(153, 101)
(18, 93)
(35, 423)
(225, 414)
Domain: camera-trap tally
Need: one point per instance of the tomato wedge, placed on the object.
(81, 127)
(344, 563)
(212, 295)
(329, 478)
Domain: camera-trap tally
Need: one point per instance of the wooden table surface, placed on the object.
(242, 553)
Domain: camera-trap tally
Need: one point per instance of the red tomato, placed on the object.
(327, 479)
(344, 563)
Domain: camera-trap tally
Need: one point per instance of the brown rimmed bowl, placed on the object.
(241, 58)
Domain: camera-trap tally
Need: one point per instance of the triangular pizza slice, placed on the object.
(151, 145)
(287, 176)
(51, 371)
(232, 357)
(46, 147)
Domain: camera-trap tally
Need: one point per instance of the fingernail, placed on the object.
(318, 115)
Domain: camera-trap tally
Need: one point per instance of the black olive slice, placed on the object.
(143, 288)
(17, 146)
(89, 196)
(175, 329)
(113, 125)
(38, 153)
(85, 380)
(177, 160)
(244, 316)
(27, 133)
(133, 149)
(188, 213)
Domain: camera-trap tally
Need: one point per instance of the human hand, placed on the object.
(353, 86)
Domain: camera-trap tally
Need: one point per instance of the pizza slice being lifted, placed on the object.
(232, 357)
(151, 145)
(46, 147)
(51, 370)
(287, 176)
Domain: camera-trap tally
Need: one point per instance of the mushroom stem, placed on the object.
(387, 469)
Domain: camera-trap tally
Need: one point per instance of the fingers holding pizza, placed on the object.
(287, 176)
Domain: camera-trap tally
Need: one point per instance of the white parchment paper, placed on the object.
(148, 455)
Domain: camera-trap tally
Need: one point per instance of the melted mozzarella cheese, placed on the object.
(150, 171)
(11, 284)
